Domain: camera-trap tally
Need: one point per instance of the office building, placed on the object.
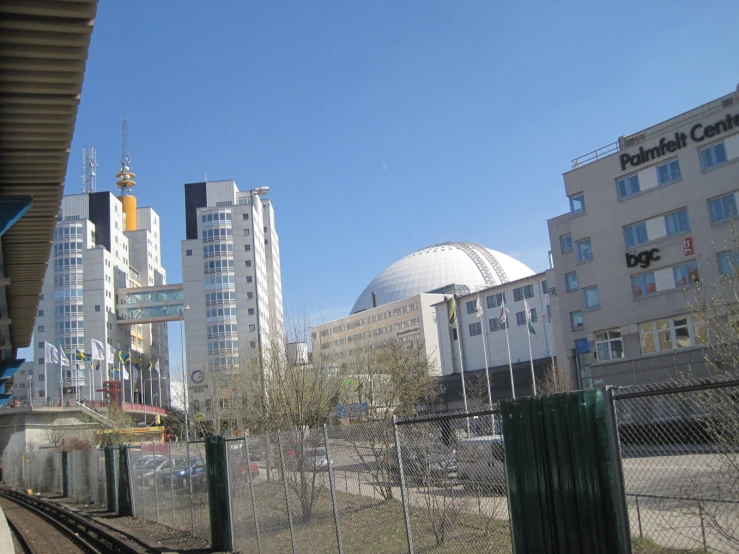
(100, 245)
(650, 215)
(231, 282)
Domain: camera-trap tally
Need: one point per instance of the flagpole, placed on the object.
(130, 374)
(159, 384)
(485, 351)
(46, 387)
(504, 314)
(531, 359)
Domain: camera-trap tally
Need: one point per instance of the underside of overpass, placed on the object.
(43, 52)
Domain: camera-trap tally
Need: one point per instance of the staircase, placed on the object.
(96, 416)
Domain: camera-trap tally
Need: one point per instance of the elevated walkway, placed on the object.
(157, 304)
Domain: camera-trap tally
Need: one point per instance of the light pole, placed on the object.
(150, 381)
(30, 390)
(184, 371)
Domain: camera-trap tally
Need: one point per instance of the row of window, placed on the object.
(218, 266)
(222, 330)
(222, 346)
(64, 327)
(68, 232)
(668, 172)
(68, 295)
(674, 223)
(61, 264)
(216, 250)
(223, 233)
(68, 279)
(220, 313)
(65, 248)
(647, 283)
(213, 298)
(216, 218)
(220, 281)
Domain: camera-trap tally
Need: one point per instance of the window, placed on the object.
(520, 293)
(544, 287)
(635, 234)
(628, 186)
(728, 262)
(576, 320)
(249, 279)
(247, 263)
(672, 333)
(584, 252)
(253, 343)
(642, 285)
(471, 306)
(496, 325)
(252, 327)
(591, 298)
(685, 274)
(40, 361)
(40, 313)
(454, 333)
(251, 311)
(41, 344)
(475, 329)
(677, 222)
(521, 318)
(668, 172)
(609, 345)
(722, 208)
(245, 216)
(565, 243)
(533, 315)
(250, 295)
(97, 307)
(40, 328)
(571, 281)
(247, 247)
(495, 300)
(41, 376)
(577, 204)
(713, 155)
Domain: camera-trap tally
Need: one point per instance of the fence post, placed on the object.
(617, 473)
(171, 483)
(189, 486)
(287, 494)
(136, 483)
(229, 477)
(156, 481)
(216, 466)
(638, 516)
(332, 485)
(110, 478)
(403, 490)
(125, 494)
(65, 474)
(251, 493)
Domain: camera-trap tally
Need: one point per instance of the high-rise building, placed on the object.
(231, 282)
(99, 246)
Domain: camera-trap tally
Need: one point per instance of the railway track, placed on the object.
(42, 527)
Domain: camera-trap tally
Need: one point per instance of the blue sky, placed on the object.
(383, 127)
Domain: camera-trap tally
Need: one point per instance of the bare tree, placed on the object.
(556, 379)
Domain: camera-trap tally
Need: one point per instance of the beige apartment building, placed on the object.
(650, 215)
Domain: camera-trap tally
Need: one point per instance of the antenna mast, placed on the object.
(125, 176)
(89, 170)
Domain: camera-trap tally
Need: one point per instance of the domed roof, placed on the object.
(459, 263)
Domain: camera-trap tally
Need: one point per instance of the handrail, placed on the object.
(96, 415)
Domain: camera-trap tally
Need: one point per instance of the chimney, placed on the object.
(374, 299)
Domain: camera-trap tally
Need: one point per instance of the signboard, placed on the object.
(357, 409)
(688, 246)
(134, 430)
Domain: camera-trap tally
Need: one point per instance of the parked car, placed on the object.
(253, 468)
(481, 463)
(161, 471)
(179, 478)
(425, 463)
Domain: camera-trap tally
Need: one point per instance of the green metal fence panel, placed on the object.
(564, 474)
(220, 511)
(110, 480)
(125, 503)
(65, 473)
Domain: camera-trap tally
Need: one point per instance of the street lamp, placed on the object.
(184, 371)
(30, 390)
(150, 380)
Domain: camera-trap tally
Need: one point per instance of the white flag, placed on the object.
(156, 367)
(527, 310)
(111, 354)
(503, 313)
(65, 360)
(98, 350)
(479, 307)
(51, 353)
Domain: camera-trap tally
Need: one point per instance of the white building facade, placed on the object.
(231, 282)
(650, 215)
(478, 332)
(91, 258)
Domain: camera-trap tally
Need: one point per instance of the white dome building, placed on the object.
(437, 267)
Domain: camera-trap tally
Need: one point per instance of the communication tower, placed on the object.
(126, 181)
(89, 170)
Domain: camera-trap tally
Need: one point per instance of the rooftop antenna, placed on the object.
(89, 170)
(125, 176)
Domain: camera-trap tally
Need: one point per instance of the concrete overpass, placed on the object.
(43, 52)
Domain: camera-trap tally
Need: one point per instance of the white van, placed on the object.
(481, 463)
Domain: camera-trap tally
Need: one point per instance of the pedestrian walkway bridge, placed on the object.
(150, 304)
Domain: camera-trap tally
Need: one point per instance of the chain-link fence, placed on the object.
(680, 458)
(39, 470)
(169, 485)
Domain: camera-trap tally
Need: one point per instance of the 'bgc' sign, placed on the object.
(642, 259)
